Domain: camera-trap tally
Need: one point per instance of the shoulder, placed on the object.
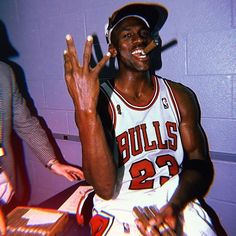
(3, 65)
(186, 100)
(5, 68)
(180, 90)
(7, 75)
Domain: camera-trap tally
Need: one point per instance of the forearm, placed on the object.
(194, 183)
(83, 85)
(38, 141)
(98, 163)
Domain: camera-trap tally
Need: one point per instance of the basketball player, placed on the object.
(144, 150)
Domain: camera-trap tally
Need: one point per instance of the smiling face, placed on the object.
(129, 38)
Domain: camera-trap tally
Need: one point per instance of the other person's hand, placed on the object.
(69, 172)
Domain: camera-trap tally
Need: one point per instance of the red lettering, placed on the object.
(170, 126)
(167, 160)
(140, 172)
(160, 144)
(123, 144)
(135, 149)
(136, 140)
(143, 172)
(147, 146)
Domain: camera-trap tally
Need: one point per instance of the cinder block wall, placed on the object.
(203, 59)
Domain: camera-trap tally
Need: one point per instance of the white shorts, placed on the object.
(115, 217)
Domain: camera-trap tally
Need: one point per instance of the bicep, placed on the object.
(192, 134)
(194, 141)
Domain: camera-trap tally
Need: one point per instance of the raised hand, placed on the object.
(82, 80)
(110, 69)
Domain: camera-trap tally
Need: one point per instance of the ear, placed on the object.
(112, 50)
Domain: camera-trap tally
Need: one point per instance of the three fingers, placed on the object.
(71, 62)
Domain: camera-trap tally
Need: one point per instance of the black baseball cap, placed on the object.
(153, 14)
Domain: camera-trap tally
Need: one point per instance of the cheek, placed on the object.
(123, 46)
(123, 50)
(124, 55)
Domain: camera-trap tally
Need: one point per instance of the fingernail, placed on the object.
(65, 51)
(68, 37)
(108, 54)
(89, 38)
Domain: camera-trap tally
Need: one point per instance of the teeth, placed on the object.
(140, 53)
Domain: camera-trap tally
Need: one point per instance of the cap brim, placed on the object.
(155, 14)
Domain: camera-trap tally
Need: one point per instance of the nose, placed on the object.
(138, 38)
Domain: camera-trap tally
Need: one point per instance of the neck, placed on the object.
(137, 86)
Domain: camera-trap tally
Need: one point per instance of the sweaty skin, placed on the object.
(134, 83)
(83, 86)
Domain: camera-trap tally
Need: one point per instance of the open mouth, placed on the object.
(139, 53)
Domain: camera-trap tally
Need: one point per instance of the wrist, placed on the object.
(176, 207)
(88, 115)
(51, 163)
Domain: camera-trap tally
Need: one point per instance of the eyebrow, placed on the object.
(128, 28)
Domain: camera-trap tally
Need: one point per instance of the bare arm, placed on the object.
(197, 172)
(193, 183)
(83, 86)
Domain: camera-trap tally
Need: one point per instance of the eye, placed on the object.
(127, 35)
(145, 33)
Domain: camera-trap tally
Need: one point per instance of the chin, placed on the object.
(143, 68)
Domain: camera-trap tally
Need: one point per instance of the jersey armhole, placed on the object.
(173, 100)
(105, 110)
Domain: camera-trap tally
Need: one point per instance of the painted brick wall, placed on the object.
(203, 59)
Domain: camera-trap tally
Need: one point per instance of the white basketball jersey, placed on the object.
(151, 154)
(148, 139)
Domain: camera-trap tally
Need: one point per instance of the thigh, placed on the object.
(196, 221)
(105, 224)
